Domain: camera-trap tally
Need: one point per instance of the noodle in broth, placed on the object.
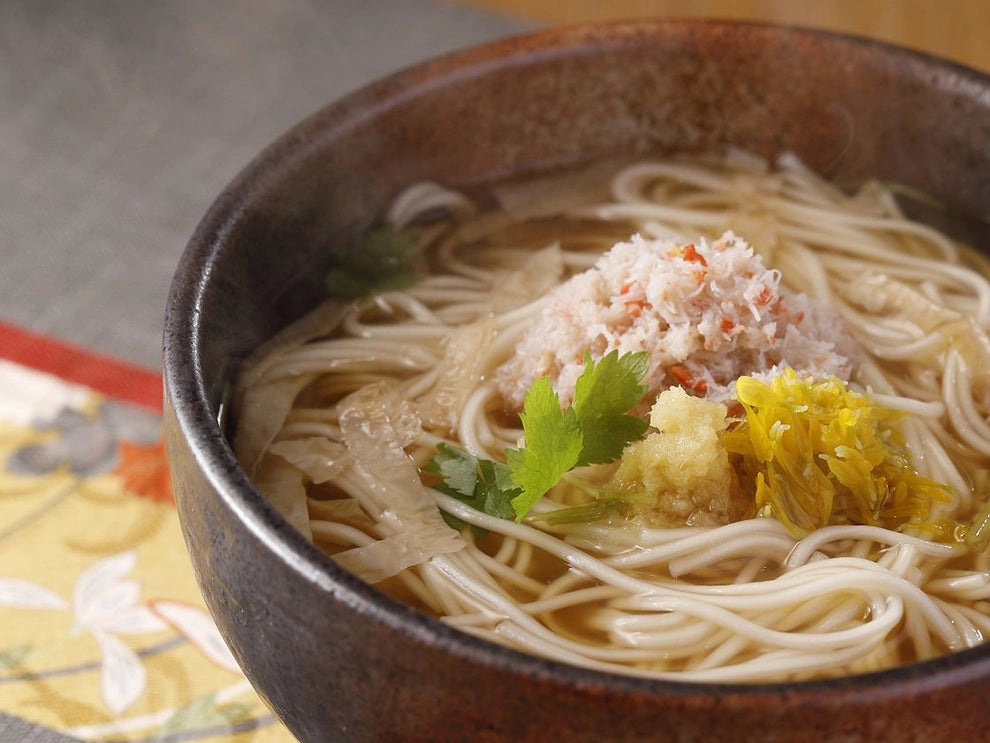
(338, 413)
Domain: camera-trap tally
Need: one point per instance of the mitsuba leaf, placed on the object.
(483, 484)
(498, 488)
(603, 394)
(380, 259)
(458, 469)
(553, 446)
(593, 430)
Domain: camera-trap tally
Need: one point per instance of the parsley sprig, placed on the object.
(594, 429)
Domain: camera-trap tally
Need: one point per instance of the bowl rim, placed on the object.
(187, 400)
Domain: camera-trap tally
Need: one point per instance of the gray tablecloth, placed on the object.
(120, 121)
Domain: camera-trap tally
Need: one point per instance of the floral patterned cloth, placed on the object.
(103, 633)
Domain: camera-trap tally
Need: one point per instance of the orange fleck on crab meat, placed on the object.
(764, 298)
(634, 306)
(683, 376)
(691, 254)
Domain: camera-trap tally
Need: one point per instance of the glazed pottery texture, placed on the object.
(334, 658)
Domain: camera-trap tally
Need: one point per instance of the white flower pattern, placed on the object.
(22, 594)
(71, 625)
(105, 603)
(198, 627)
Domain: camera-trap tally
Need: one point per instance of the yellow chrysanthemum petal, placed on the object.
(819, 453)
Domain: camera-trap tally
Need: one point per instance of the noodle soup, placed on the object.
(706, 419)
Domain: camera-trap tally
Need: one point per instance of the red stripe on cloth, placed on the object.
(108, 376)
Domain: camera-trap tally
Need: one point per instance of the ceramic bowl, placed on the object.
(333, 657)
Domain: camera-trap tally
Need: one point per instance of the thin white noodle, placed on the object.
(759, 604)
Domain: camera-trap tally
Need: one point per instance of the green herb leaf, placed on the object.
(593, 430)
(553, 445)
(602, 396)
(459, 471)
(480, 483)
(498, 488)
(381, 258)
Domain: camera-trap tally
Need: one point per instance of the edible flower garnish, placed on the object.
(817, 453)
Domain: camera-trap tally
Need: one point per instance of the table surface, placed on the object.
(121, 121)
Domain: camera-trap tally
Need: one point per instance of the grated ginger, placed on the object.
(683, 465)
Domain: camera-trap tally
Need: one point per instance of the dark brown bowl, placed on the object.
(333, 657)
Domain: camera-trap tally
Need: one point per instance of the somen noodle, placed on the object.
(340, 416)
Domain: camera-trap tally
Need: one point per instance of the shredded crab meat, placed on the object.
(707, 314)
